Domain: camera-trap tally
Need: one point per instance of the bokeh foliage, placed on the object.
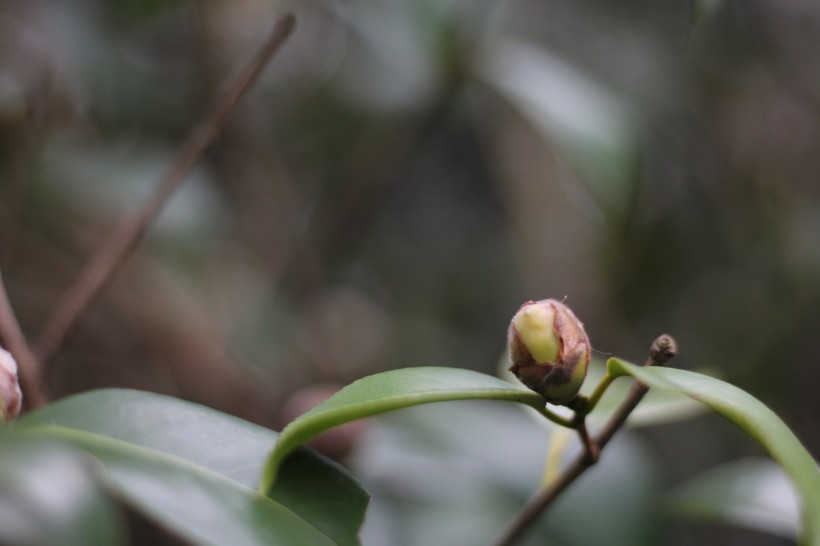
(405, 175)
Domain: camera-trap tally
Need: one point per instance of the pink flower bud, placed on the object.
(11, 399)
(549, 349)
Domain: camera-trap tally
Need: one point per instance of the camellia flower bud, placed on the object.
(11, 399)
(549, 349)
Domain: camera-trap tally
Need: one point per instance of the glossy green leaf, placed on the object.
(195, 503)
(144, 438)
(390, 391)
(49, 497)
(657, 408)
(753, 493)
(755, 419)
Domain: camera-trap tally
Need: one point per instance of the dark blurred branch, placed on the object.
(122, 240)
(346, 215)
(31, 381)
(663, 349)
(14, 164)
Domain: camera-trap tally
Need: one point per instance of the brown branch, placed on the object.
(592, 450)
(34, 394)
(118, 246)
(663, 349)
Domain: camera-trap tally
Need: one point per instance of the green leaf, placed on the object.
(144, 439)
(754, 418)
(390, 391)
(49, 497)
(658, 407)
(195, 503)
(753, 493)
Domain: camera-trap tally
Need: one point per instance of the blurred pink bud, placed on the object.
(11, 398)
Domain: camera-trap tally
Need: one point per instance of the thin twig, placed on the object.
(13, 191)
(34, 394)
(117, 247)
(662, 350)
(592, 451)
(555, 418)
(599, 392)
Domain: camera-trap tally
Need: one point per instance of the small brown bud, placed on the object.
(662, 349)
(549, 349)
(11, 399)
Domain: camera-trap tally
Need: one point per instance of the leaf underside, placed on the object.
(755, 419)
(388, 391)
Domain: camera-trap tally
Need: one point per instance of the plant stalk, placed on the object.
(662, 350)
(113, 252)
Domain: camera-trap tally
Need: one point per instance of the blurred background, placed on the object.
(402, 178)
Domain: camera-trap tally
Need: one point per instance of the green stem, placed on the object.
(599, 391)
(663, 348)
(555, 418)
